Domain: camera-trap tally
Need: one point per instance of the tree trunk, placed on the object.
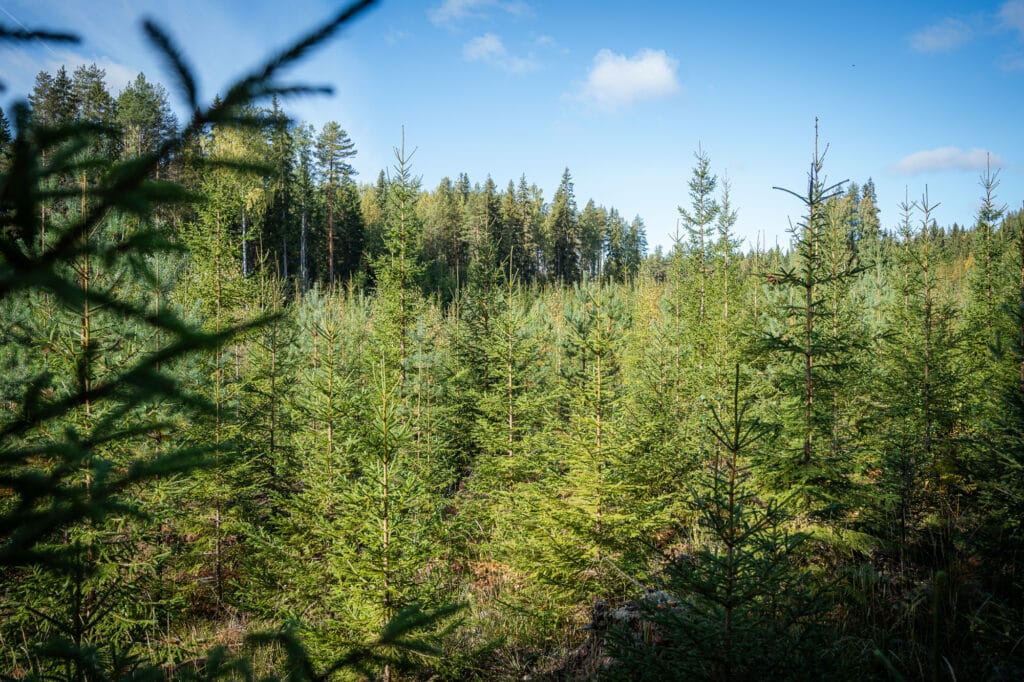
(303, 265)
(245, 250)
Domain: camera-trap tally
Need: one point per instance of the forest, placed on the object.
(260, 419)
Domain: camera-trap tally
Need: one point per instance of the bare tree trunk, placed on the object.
(330, 235)
(303, 265)
(245, 245)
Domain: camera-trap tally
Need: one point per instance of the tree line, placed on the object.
(302, 213)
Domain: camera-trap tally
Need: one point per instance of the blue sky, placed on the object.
(910, 94)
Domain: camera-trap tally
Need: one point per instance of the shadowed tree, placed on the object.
(333, 149)
(58, 478)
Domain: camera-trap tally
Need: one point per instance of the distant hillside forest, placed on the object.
(259, 419)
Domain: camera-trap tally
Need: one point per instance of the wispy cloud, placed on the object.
(616, 81)
(117, 75)
(395, 36)
(1011, 15)
(947, 35)
(947, 158)
(451, 12)
(952, 33)
(490, 49)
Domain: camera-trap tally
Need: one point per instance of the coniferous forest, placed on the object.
(261, 418)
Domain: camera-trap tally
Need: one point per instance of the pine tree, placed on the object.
(727, 281)
(737, 607)
(989, 215)
(300, 549)
(698, 223)
(5, 129)
(279, 226)
(333, 149)
(514, 240)
(444, 249)
(658, 421)
(5, 139)
(614, 267)
(145, 117)
(53, 99)
(983, 313)
(583, 540)
(494, 379)
(500, 382)
(530, 202)
(398, 270)
(397, 532)
(483, 213)
(635, 247)
(269, 424)
(809, 351)
(999, 471)
(92, 101)
(922, 403)
(563, 231)
(594, 233)
(80, 453)
(221, 292)
(306, 200)
(846, 392)
(873, 253)
(112, 400)
(471, 375)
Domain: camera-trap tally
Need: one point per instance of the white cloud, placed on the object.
(395, 36)
(947, 35)
(947, 158)
(1011, 15)
(484, 48)
(952, 32)
(27, 66)
(453, 11)
(117, 75)
(489, 49)
(616, 80)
